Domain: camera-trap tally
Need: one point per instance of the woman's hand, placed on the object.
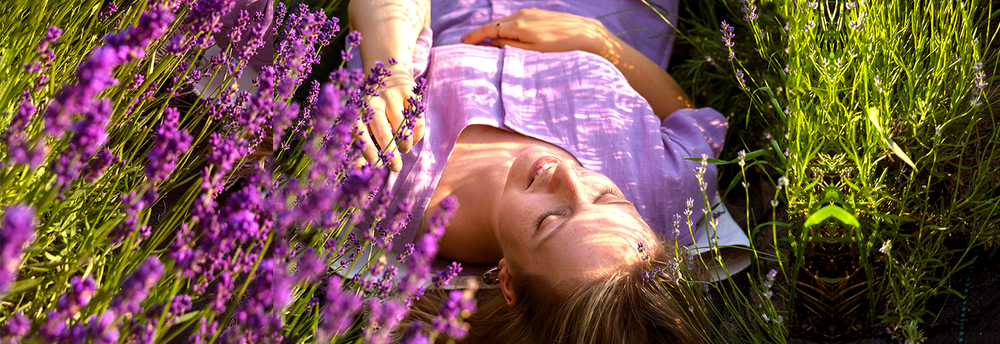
(544, 31)
(387, 119)
(547, 32)
(389, 29)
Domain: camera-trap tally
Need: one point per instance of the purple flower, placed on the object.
(455, 307)
(55, 327)
(359, 182)
(96, 167)
(677, 225)
(81, 290)
(414, 334)
(415, 110)
(204, 18)
(169, 145)
(26, 153)
(109, 9)
(131, 42)
(18, 229)
(51, 35)
(21, 118)
(226, 150)
(727, 38)
(205, 331)
(653, 274)
(341, 307)
(258, 315)
(244, 50)
(749, 10)
(979, 84)
(93, 76)
(310, 266)
(96, 73)
(89, 134)
(136, 287)
(17, 327)
(102, 328)
(354, 39)
(445, 276)
(425, 249)
(382, 319)
(46, 57)
(741, 80)
(296, 46)
(179, 305)
(771, 275)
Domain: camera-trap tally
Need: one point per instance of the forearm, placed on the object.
(660, 89)
(389, 29)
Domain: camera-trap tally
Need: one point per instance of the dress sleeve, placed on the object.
(699, 131)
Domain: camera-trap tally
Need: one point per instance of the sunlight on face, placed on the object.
(566, 223)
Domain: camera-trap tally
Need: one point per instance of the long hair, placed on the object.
(646, 302)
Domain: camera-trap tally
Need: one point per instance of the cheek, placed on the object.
(515, 224)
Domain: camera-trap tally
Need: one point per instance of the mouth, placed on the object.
(540, 166)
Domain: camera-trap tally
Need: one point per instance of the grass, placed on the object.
(892, 167)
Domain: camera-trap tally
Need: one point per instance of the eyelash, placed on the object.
(604, 192)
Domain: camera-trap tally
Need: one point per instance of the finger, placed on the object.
(491, 30)
(501, 42)
(382, 131)
(396, 163)
(418, 130)
(394, 112)
(369, 152)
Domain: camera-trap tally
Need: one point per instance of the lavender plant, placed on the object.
(152, 192)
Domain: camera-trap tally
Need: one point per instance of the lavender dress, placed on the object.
(575, 100)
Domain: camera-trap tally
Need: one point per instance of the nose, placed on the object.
(565, 181)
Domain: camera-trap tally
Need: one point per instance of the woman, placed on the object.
(562, 162)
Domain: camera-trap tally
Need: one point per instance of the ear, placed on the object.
(507, 284)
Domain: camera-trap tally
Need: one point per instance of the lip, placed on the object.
(538, 164)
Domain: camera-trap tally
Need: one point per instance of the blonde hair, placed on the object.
(627, 306)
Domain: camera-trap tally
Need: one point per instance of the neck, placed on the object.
(475, 174)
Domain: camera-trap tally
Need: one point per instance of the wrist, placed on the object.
(607, 45)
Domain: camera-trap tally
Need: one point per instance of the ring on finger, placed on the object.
(498, 28)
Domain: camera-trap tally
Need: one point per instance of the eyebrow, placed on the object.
(620, 204)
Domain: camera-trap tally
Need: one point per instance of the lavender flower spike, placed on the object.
(169, 145)
(17, 230)
(727, 38)
(340, 310)
(136, 287)
(455, 307)
(16, 328)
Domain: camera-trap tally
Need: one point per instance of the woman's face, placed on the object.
(565, 223)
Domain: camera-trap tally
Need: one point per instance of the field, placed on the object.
(151, 193)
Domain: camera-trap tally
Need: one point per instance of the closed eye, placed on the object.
(608, 191)
(604, 192)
